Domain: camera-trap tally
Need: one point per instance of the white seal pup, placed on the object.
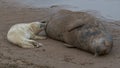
(23, 34)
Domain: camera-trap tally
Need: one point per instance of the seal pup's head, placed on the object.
(36, 27)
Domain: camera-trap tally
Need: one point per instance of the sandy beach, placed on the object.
(54, 54)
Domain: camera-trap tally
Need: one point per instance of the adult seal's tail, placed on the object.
(81, 30)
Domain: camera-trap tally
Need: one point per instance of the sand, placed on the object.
(53, 54)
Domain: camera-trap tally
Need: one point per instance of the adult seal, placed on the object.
(81, 30)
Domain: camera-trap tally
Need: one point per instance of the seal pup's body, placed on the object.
(24, 33)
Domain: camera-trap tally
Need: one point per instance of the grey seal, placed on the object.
(81, 30)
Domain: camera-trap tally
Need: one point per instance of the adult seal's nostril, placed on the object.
(97, 51)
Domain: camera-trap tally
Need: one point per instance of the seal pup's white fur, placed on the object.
(24, 33)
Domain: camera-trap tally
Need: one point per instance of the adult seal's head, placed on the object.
(95, 38)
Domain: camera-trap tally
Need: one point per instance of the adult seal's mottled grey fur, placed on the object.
(81, 30)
